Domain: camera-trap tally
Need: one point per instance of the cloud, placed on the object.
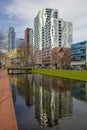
(70, 10)
(78, 36)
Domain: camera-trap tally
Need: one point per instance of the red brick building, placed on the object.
(27, 39)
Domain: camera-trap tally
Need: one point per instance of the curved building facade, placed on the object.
(50, 32)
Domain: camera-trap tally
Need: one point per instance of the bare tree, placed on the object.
(22, 46)
(61, 56)
(31, 57)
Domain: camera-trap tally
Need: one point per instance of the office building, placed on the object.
(10, 39)
(79, 54)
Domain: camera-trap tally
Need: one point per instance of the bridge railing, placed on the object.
(18, 70)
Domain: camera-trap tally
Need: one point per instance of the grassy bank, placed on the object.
(71, 74)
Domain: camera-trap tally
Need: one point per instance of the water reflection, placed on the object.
(52, 100)
(50, 96)
(79, 90)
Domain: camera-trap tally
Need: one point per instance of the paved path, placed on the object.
(7, 113)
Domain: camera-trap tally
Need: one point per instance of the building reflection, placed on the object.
(23, 86)
(13, 93)
(29, 97)
(86, 92)
(79, 90)
(52, 101)
(51, 96)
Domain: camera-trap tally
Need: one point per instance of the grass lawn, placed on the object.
(71, 74)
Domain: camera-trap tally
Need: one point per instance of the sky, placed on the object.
(21, 13)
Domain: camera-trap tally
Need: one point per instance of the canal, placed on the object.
(49, 103)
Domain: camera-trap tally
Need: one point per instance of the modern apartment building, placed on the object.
(65, 33)
(79, 54)
(46, 28)
(45, 31)
(50, 32)
(10, 39)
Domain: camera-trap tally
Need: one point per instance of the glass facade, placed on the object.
(79, 52)
(11, 39)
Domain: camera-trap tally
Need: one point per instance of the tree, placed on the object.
(30, 59)
(61, 56)
(22, 46)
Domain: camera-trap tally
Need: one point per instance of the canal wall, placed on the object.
(7, 113)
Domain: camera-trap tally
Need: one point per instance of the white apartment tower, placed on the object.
(46, 29)
(65, 33)
(50, 32)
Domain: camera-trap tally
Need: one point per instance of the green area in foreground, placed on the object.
(71, 74)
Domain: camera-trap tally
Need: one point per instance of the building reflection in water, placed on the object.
(13, 93)
(52, 100)
(51, 96)
(79, 90)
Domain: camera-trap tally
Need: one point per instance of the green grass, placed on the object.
(71, 74)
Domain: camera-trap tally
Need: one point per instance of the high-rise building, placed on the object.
(46, 29)
(31, 37)
(27, 39)
(29, 44)
(65, 33)
(50, 32)
(31, 56)
(10, 38)
(45, 32)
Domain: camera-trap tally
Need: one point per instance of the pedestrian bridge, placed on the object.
(19, 70)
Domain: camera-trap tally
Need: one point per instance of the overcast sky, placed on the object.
(21, 13)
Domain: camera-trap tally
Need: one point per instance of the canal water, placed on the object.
(49, 103)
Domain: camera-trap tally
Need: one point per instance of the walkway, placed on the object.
(7, 113)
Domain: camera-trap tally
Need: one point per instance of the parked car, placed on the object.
(78, 68)
(67, 67)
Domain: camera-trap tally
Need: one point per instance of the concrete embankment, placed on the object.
(7, 112)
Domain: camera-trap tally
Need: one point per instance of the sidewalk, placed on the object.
(7, 113)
